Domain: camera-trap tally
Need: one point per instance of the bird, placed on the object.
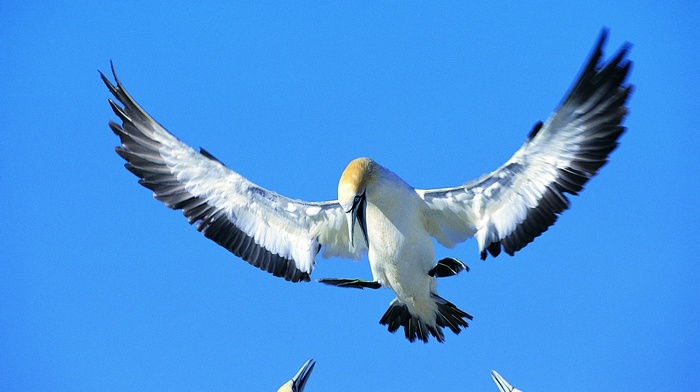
(380, 216)
(503, 385)
(298, 382)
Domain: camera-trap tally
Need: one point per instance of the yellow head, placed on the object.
(352, 193)
(354, 181)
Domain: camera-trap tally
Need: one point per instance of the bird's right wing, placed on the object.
(517, 202)
(270, 231)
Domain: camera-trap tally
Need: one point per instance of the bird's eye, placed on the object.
(357, 200)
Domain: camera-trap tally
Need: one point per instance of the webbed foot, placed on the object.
(354, 283)
(447, 267)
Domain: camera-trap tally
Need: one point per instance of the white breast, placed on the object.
(400, 248)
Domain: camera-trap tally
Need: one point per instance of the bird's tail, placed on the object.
(414, 327)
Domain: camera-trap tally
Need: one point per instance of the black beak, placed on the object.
(300, 379)
(502, 384)
(359, 214)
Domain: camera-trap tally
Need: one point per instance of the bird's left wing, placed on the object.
(270, 231)
(514, 204)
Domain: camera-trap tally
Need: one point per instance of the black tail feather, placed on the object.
(415, 328)
(451, 316)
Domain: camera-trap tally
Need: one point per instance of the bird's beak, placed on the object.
(503, 385)
(300, 379)
(358, 213)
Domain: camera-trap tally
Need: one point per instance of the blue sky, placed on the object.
(103, 288)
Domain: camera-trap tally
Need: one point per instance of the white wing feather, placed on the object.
(516, 203)
(268, 230)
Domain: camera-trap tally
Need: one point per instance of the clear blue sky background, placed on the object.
(103, 288)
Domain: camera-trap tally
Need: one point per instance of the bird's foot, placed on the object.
(354, 283)
(447, 267)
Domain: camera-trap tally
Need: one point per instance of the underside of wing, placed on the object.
(272, 232)
(508, 208)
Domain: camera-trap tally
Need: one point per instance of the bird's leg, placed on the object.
(355, 283)
(447, 267)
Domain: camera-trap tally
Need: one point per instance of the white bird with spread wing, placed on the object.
(379, 214)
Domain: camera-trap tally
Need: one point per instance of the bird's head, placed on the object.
(352, 194)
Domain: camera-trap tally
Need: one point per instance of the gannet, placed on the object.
(377, 213)
(298, 382)
(503, 385)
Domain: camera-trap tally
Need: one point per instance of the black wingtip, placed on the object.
(113, 88)
(599, 89)
(209, 155)
(114, 73)
(106, 81)
(535, 130)
(603, 39)
(602, 36)
(619, 63)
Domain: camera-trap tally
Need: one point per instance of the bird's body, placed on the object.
(379, 214)
(400, 249)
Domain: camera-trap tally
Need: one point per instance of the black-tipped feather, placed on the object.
(448, 316)
(595, 107)
(142, 153)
